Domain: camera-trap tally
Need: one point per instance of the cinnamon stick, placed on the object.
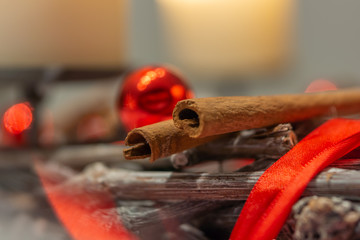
(159, 140)
(217, 115)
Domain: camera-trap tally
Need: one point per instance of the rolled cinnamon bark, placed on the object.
(159, 140)
(217, 115)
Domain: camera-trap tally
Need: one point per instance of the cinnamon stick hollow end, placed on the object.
(140, 147)
(203, 117)
(186, 117)
(159, 140)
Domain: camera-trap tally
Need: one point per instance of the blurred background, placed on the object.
(85, 72)
(324, 37)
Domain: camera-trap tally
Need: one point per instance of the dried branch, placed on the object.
(210, 186)
(79, 156)
(270, 143)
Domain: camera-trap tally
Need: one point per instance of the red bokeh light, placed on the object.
(18, 118)
(320, 85)
(149, 95)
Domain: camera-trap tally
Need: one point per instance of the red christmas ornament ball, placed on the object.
(149, 95)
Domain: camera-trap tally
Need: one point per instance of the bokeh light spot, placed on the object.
(320, 85)
(160, 72)
(18, 118)
(177, 91)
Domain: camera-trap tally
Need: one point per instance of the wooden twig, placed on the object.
(269, 143)
(79, 156)
(82, 155)
(208, 186)
(140, 215)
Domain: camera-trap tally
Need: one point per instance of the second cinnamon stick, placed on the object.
(159, 140)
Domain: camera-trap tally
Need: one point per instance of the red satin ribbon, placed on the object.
(281, 185)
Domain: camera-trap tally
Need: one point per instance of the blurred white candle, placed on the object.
(228, 36)
(81, 33)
